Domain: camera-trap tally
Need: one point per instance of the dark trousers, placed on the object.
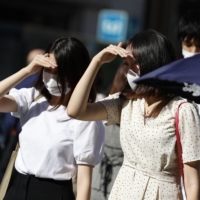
(26, 187)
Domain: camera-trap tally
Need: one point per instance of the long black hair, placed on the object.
(72, 59)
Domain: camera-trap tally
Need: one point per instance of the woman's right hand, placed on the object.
(110, 53)
(39, 62)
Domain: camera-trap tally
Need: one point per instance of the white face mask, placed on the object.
(50, 82)
(131, 76)
(187, 54)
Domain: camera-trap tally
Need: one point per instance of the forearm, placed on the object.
(12, 81)
(35, 66)
(83, 190)
(84, 180)
(79, 99)
(192, 192)
(191, 181)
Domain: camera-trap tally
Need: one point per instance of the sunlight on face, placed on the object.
(130, 63)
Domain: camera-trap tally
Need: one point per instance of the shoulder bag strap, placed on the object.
(8, 173)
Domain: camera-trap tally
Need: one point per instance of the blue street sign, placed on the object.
(112, 26)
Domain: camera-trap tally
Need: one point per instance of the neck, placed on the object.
(151, 105)
(152, 99)
(55, 99)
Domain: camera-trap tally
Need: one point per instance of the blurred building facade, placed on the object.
(28, 24)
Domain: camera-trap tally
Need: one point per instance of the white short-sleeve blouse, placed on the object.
(52, 143)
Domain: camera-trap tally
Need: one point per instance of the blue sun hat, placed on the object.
(181, 77)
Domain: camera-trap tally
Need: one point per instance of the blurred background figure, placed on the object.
(189, 33)
(33, 53)
(98, 83)
(120, 79)
(10, 125)
(104, 174)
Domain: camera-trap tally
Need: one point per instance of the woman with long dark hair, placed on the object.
(146, 116)
(53, 146)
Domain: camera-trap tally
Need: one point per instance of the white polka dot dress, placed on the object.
(151, 169)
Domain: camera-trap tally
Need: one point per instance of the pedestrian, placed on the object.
(189, 33)
(146, 116)
(53, 146)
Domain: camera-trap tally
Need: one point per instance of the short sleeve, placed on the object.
(189, 127)
(23, 97)
(88, 142)
(113, 107)
(198, 108)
